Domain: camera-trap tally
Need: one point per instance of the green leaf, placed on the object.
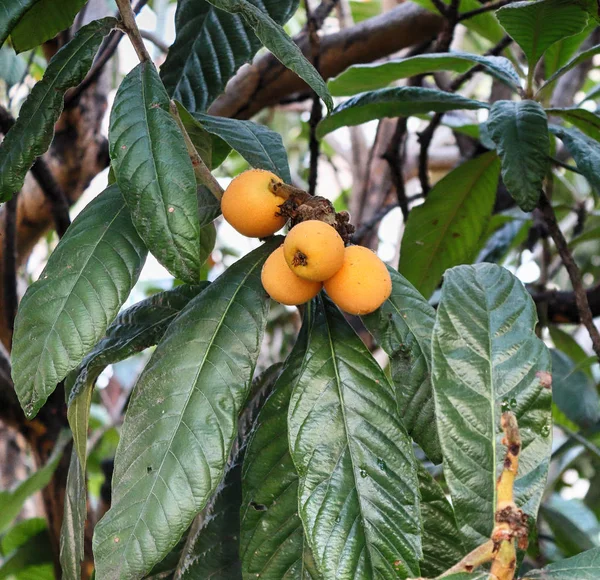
(559, 54)
(585, 566)
(73, 524)
(578, 59)
(155, 174)
(520, 131)
(67, 310)
(486, 355)
(468, 576)
(393, 102)
(358, 489)
(535, 26)
(257, 144)
(133, 330)
(402, 327)
(273, 36)
(367, 77)
(11, 502)
(574, 392)
(446, 230)
(441, 538)
(32, 132)
(209, 48)
(11, 11)
(565, 342)
(484, 24)
(585, 152)
(20, 533)
(12, 66)
(584, 120)
(34, 556)
(272, 540)
(182, 420)
(43, 21)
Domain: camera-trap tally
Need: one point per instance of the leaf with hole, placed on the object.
(209, 47)
(358, 488)
(402, 328)
(446, 230)
(367, 77)
(486, 357)
(519, 130)
(182, 420)
(393, 102)
(67, 310)
(33, 131)
(155, 174)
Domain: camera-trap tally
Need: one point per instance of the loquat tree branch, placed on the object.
(129, 26)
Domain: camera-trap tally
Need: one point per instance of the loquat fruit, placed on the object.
(362, 284)
(314, 250)
(283, 285)
(249, 205)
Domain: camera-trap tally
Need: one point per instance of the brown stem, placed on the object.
(9, 277)
(285, 191)
(581, 298)
(487, 8)
(394, 156)
(129, 26)
(201, 170)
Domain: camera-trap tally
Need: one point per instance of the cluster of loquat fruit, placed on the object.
(313, 256)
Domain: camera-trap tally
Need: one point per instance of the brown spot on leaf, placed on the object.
(545, 379)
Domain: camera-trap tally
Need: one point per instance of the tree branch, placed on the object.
(581, 299)
(129, 26)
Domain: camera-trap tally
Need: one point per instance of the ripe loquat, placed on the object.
(249, 205)
(283, 285)
(314, 250)
(362, 284)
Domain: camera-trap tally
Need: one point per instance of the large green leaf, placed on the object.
(578, 59)
(257, 144)
(566, 343)
(32, 559)
(133, 330)
(358, 488)
(446, 230)
(273, 36)
(11, 501)
(32, 132)
(537, 25)
(12, 66)
(11, 11)
(585, 152)
(402, 327)
(486, 356)
(43, 21)
(393, 102)
(585, 566)
(182, 421)
(209, 48)
(272, 541)
(561, 52)
(574, 392)
(67, 310)
(520, 131)
(441, 539)
(155, 174)
(367, 77)
(583, 119)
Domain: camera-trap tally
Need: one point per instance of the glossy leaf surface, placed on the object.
(402, 327)
(67, 310)
(520, 131)
(155, 174)
(486, 357)
(209, 48)
(11, 11)
(33, 130)
(182, 420)
(445, 231)
(358, 489)
(393, 102)
(367, 77)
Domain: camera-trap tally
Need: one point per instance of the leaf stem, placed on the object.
(202, 172)
(129, 26)
(581, 299)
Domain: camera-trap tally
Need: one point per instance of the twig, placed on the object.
(9, 274)
(155, 40)
(129, 26)
(440, 6)
(365, 228)
(487, 8)
(581, 298)
(41, 172)
(394, 156)
(201, 170)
